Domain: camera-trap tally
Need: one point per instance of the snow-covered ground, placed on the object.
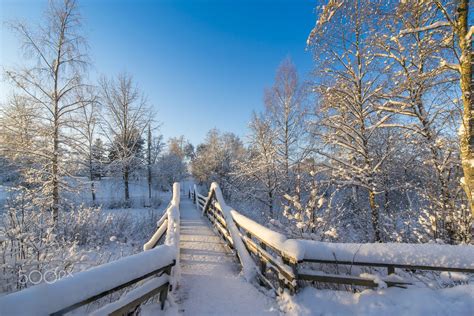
(110, 192)
(456, 301)
(3, 196)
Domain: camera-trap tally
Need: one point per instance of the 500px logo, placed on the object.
(48, 276)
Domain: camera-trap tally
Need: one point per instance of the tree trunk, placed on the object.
(374, 215)
(93, 192)
(466, 132)
(149, 163)
(55, 166)
(125, 183)
(55, 206)
(270, 203)
(91, 176)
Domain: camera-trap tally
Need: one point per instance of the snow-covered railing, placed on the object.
(152, 271)
(452, 258)
(220, 215)
(285, 258)
(231, 225)
(168, 223)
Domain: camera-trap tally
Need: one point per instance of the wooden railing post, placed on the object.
(390, 270)
(263, 265)
(164, 296)
(292, 288)
(208, 202)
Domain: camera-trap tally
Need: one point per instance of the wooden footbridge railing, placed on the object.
(283, 263)
(151, 272)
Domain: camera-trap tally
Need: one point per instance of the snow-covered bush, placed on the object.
(34, 248)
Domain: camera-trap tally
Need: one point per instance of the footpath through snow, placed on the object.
(210, 282)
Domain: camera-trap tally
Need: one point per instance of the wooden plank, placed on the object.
(254, 248)
(157, 236)
(263, 265)
(125, 310)
(209, 201)
(347, 279)
(223, 232)
(391, 264)
(280, 253)
(218, 216)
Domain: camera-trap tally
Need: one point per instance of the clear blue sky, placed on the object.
(202, 64)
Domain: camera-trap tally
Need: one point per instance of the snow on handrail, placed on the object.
(169, 222)
(420, 256)
(171, 226)
(86, 286)
(162, 228)
(289, 247)
(248, 265)
(45, 299)
(172, 234)
(417, 256)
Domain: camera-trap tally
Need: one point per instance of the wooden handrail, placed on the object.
(88, 286)
(391, 266)
(286, 265)
(165, 269)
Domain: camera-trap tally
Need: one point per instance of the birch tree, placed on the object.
(58, 61)
(258, 173)
(154, 147)
(348, 97)
(285, 109)
(127, 116)
(422, 94)
(86, 125)
(456, 18)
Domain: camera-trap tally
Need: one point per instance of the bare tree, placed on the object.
(86, 125)
(456, 18)
(259, 173)
(422, 96)
(148, 159)
(50, 83)
(155, 146)
(216, 159)
(127, 117)
(349, 92)
(285, 109)
(456, 15)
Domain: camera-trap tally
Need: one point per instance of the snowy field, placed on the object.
(413, 301)
(110, 192)
(102, 235)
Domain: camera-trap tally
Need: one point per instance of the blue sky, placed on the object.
(202, 64)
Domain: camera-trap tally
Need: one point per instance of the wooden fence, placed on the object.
(280, 269)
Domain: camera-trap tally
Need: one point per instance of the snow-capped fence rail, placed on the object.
(153, 271)
(285, 260)
(168, 223)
